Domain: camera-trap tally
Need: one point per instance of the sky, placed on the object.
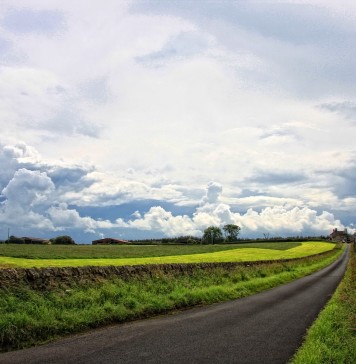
(148, 119)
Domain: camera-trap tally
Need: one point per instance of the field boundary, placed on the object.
(51, 277)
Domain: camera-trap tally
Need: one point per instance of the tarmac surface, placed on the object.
(264, 328)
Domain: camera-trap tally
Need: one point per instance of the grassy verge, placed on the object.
(243, 252)
(29, 317)
(332, 338)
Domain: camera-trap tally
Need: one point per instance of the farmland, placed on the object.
(64, 256)
(30, 316)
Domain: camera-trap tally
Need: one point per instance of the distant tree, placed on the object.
(15, 240)
(231, 232)
(63, 239)
(193, 240)
(212, 235)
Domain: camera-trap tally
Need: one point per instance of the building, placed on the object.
(340, 236)
(109, 241)
(29, 240)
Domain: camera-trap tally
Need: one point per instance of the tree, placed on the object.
(63, 239)
(15, 240)
(212, 235)
(231, 232)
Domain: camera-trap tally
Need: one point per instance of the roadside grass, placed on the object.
(237, 254)
(29, 317)
(332, 337)
(34, 251)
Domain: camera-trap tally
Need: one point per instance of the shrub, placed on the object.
(63, 239)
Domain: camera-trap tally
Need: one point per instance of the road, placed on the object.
(265, 328)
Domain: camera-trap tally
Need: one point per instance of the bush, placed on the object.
(63, 239)
(15, 240)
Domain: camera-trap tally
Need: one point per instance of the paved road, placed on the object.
(264, 328)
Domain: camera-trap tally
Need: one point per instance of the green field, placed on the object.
(123, 251)
(38, 256)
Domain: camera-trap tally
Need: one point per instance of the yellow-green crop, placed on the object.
(233, 255)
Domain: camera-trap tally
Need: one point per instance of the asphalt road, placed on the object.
(265, 328)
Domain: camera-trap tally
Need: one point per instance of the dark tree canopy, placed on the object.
(231, 232)
(63, 239)
(15, 240)
(212, 235)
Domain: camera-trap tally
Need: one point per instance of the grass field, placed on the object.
(29, 316)
(123, 251)
(132, 255)
(332, 338)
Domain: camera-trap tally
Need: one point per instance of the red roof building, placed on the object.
(109, 241)
(339, 235)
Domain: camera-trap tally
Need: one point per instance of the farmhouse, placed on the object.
(352, 238)
(107, 241)
(342, 236)
(29, 240)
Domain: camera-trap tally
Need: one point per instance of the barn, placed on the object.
(109, 241)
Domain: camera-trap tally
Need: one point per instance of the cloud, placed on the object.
(344, 178)
(28, 188)
(32, 188)
(38, 100)
(29, 202)
(287, 220)
(278, 220)
(22, 156)
(276, 177)
(25, 195)
(64, 218)
(345, 108)
(27, 21)
(11, 159)
(284, 220)
(213, 192)
(291, 39)
(160, 220)
(38, 195)
(179, 47)
(143, 103)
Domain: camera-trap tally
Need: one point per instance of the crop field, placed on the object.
(120, 251)
(75, 256)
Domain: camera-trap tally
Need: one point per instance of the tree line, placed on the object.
(62, 239)
(214, 234)
(211, 235)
